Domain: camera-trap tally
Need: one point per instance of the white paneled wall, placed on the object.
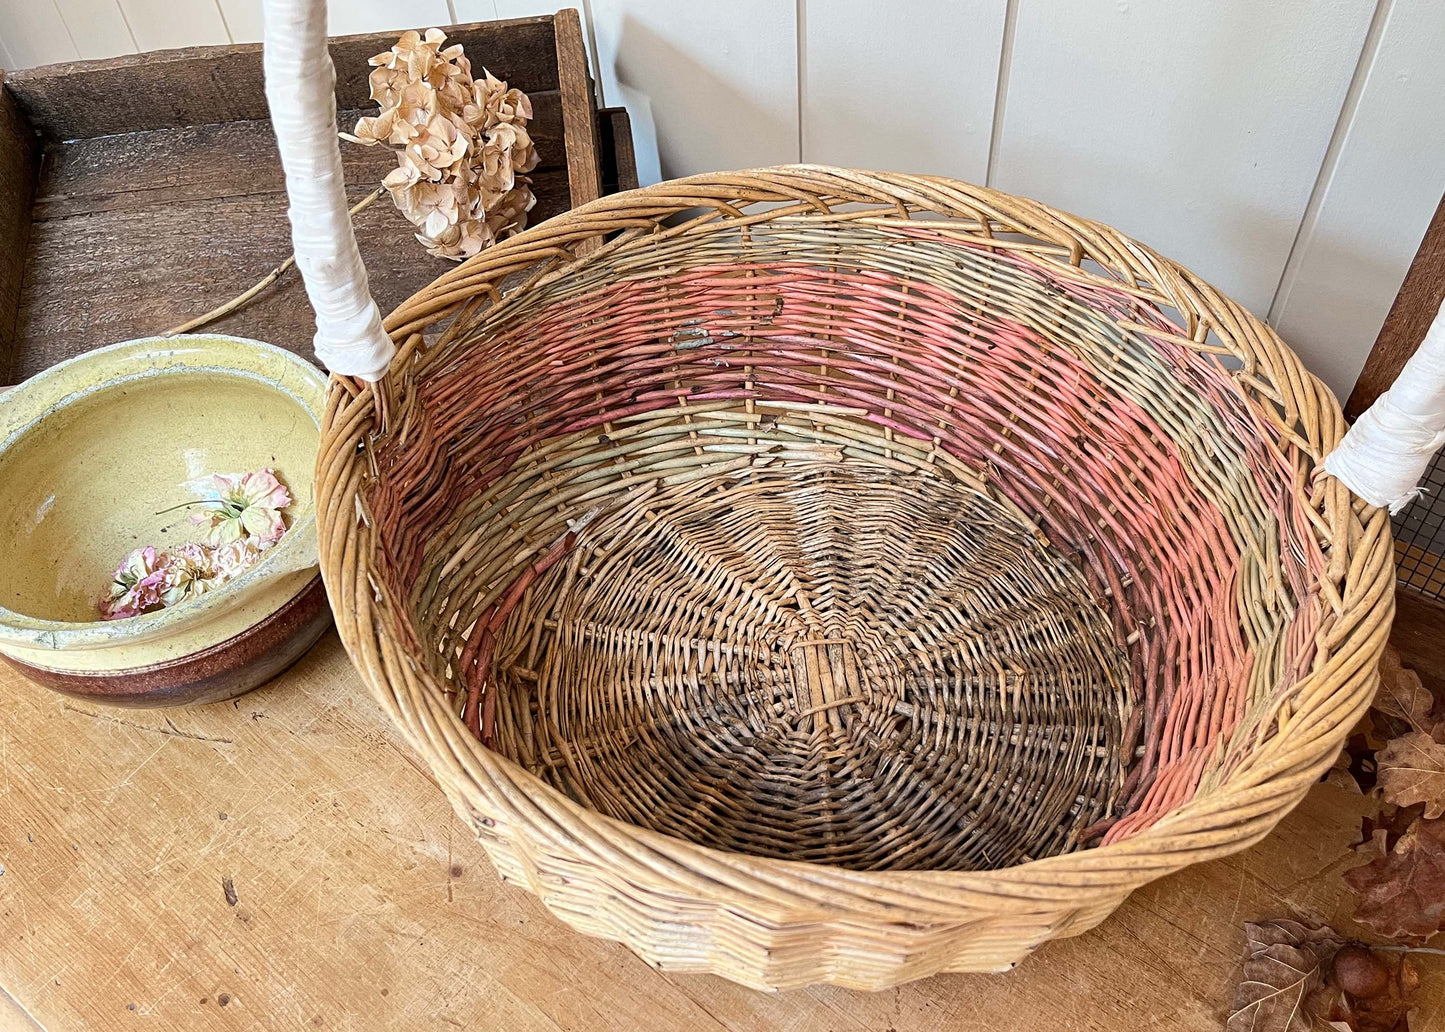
(97, 27)
(722, 77)
(912, 92)
(33, 32)
(1198, 128)
(1292, 151)
(1378, 188)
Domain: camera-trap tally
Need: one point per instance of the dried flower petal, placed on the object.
(241, 504)
(463, 150)
(136, 585)
(187, 574)
(243, 521)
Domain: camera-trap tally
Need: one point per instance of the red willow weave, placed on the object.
(987, 581)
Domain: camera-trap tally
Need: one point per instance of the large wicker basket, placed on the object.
(811, 575)
(794, 587)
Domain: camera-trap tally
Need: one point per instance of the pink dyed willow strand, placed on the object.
(610, 355)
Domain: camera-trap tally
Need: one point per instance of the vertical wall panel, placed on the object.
(162, 24)
(527, 8)
(911, 91)
(34, 33)
(720, 79)
(243, 17)
(384, 15)
(97, 27)
(1197, 126)
(1374, 202)
(476, 10)
(243, 20)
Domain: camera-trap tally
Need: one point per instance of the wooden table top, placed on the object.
(284, 861)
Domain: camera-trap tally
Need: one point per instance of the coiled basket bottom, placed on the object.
(800, 590)
(835, 662)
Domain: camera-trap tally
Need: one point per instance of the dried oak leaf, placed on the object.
(1402, 695)
(1412, 770)
(1378, 834)
(1341, 774)
(1402, 894)
(1282, 968)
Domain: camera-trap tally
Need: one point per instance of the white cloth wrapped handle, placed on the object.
(1385, 453)
(301, 92)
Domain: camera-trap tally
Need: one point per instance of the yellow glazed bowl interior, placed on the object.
(94, 449)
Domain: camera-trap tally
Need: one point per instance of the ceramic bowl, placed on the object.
(91, 451)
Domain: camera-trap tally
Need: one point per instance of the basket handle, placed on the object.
(1385, 453)
(301, 93)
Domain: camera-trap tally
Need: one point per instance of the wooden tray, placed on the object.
(142, 191)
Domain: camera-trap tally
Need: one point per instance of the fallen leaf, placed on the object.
(1378, 834)
(1282, 968)
(1412, 770)
(1401, 693)
(1340, 775)
(1402, 894)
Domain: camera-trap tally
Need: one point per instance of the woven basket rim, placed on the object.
(1236, 812)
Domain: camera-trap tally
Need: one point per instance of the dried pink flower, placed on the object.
(241, 504)
(136, 585)
(230, 561)
(243, 522)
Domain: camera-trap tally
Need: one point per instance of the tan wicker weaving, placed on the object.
(790, 585)
(810, 575)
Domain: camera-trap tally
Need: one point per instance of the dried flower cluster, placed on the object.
(242, 520)
(462, 145)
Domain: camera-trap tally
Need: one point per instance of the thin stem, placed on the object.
(184, 505)
(1411, 949)
(265, 281)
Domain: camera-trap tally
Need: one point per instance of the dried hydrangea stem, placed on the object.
(260, 285)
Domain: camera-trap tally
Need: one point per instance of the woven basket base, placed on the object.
(832, 662)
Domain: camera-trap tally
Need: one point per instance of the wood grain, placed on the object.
(91, 284)
(1415, 306)
(215, 162)
(363, 903)
(579, 109)
(19, 166)
(13, 1017)
(201, 85)
(167, 196)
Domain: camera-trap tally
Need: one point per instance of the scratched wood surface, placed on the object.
(284, 862)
